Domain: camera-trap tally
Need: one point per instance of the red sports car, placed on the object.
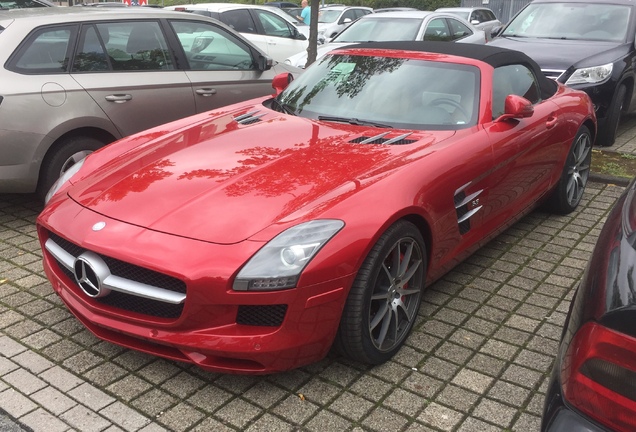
(254, 238)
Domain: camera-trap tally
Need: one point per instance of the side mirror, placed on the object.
(474, 22)
(516, 107)
(201, 42)
(281, 81)
(265, 63)
(346, 21)
(299, 36)
(495, 31)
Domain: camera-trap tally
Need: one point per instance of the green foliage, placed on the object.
(376, 4)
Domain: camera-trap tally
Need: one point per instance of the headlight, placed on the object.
(63, 179)
(591, 75)
(288, 61)
(279, 263)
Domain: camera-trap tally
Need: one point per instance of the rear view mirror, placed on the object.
(281, 81)
(265, 63)
(516, 107)
(201, 42)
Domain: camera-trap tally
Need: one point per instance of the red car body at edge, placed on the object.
(253, 238)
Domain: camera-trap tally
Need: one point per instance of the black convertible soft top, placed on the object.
(494, 56)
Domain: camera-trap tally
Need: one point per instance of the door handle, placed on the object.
(551, 121)
(205, 91)
(119, 98)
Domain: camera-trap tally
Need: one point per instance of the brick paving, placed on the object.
(478, 360)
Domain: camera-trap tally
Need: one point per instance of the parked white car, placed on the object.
(333, 19)
(399, 26)
(265, 26)
(481, 17)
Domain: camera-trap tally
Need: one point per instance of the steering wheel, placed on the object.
(452, 103)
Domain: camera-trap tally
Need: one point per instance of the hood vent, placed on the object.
(380, 139)
(249, 118)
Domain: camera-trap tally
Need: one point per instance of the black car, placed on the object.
(593, 383)
(587, 44)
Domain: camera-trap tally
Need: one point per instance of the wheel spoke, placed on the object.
(409, 274)
(405, 260)
(386, 322)
(378, 316)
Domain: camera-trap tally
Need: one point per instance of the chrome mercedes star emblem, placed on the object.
(90, 272)
(99, 226)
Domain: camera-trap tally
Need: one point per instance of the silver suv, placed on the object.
(76, 79)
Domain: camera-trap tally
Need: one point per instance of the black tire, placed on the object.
(607, 134)
(61, 157)
(568, 192)
(385, 297)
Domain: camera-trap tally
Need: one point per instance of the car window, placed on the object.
(603, 22)
(479, 16)
(122, 46)
(328, 16)
(398, 29)
(46, 51)
(437, 30)
(489, 15)
(209, 47)
(348, 14)
(458, 29)
(445, 96)
(513, 79)
(240, 20)
(274, 25)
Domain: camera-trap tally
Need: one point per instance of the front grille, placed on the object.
(269, 316)
(134, 273)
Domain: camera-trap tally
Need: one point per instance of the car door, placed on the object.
(222, 68)
(437, 30)
(280, 36)
(127, 68)
(524, 149)
(243, 22)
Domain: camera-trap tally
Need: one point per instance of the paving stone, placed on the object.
(125, 417)
(440, 417)
(15, 403)
(327, 421)
(239, 412)
(270, 423)
(40, 420)
(351, 406)
(84, 419)
(53, 400)
(181, 417)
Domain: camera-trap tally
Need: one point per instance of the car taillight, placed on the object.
(598, 376)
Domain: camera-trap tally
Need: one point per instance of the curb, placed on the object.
(607, 179)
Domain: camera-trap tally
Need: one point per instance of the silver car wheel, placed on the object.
(579, 171)
(395, 298)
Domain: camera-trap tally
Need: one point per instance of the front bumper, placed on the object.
(215, 327)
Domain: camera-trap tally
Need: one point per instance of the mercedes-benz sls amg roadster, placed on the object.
(254, 238)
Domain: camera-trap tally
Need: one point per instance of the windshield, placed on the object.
(328, 16)
(579, 21)
(396, 92)
(377, 30)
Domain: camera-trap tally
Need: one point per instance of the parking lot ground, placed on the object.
(478, 359)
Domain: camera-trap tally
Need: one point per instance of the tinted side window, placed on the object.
(458, 29)
(437, 30)
(122, 46)
(209, 47)
(273, 25)
(347, 14)
(513, 79)
(239, 20)
(490, 16)
(44, 52)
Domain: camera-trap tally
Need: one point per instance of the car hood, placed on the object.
(223, 182)
(562, 54)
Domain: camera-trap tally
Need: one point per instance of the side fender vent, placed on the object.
(466, 206)
(249, 118)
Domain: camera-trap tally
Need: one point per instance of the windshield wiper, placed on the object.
(284, 107)
(354, 121)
